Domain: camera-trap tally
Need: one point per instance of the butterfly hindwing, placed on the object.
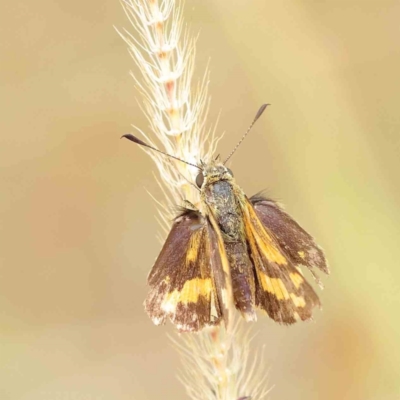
(181, 284)
(281, 289)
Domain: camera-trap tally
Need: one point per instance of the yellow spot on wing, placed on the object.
(194, 246)
(191, 255)
(265, 241)
(266, 283)
(190, 293)
(274, 286)
(297, 279)
(270, 251)
(298, 300)
(301, 254)
(280, 289)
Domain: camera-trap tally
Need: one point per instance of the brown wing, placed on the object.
(281, 289)
(297, 244)
(182, 287)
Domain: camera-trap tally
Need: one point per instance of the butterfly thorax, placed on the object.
(220, 196)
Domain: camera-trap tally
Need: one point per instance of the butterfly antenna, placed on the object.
(258, 115)
(134, 139)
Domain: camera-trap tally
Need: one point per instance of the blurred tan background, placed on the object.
(77, 230)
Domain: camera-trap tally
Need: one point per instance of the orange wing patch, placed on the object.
(296, 278)
(264, 240)
(190, 293)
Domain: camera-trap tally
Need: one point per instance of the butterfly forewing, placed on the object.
(281, 289)
(182, 287)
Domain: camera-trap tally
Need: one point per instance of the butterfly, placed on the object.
(232, 252)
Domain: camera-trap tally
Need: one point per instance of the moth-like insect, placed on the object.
(233, 251)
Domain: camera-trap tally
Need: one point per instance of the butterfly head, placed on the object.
(213, 172)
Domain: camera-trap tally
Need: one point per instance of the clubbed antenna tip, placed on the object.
(134, 139)
(260, 111)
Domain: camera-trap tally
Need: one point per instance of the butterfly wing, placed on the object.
(292, 238)
(182, 287)
(281, 289)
